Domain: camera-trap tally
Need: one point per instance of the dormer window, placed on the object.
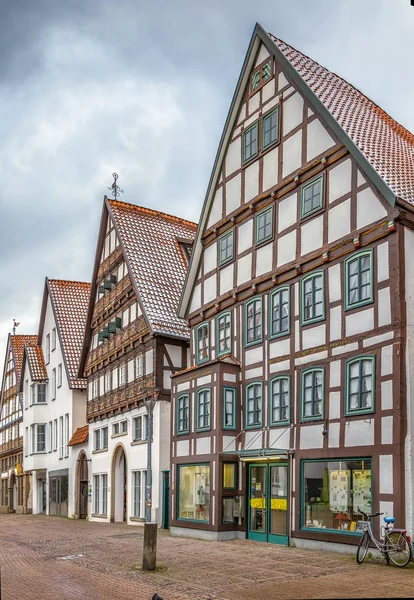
(39, 393)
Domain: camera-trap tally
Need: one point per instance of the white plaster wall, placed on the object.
(312, 235)
(318, 140)
(359, 433)
(335, 326)
(383, 272)
(226, 278)
(244, 269)
(279, 348)
(253, 440)
(384, 307)
(314, 336)
(311, 436)
(286, 248)
(386, 430)
(334, 405)
(279, 438)
(270, 168)
(210, 258)
(245, 236)
(292, 113)
(334, 283)
(369, 208)
(386, 395)
(196, 299)
(254, 103)
(386, 475)
(233, 157)
(333, 435)
(282, 81)
(263, 54)
(339, 221)
(287, 212)
(335, 374)
(253, 356)
(251, 181)
(203, 445)
(210, 288)
(264, 259)
(268, 91)
(386, 360)
(340, 180)
(233, 194)
(216, 211)
(409, 440)
(359, 322)
(292, 154)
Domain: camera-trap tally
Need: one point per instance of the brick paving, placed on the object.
(47, 558)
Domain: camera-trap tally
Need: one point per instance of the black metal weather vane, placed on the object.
(15, 324)
(115, 189)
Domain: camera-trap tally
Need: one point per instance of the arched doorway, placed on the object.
(119, 485)
(82, 484)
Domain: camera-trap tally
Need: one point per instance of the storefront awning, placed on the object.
(262, 454)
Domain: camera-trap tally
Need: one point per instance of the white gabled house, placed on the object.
(54, 398)
(296, 412)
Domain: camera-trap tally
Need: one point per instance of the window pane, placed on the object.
(229, 475)
(194, 492)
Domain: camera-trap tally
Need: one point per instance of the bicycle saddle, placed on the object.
(389, 519)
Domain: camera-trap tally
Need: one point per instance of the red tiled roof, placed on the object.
(149, 238)
(18, 342)
(80, 436)
(386, 144)
(70, 300)
(36, 362)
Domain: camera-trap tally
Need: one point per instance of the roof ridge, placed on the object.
(69, 281)
(151, 210)
(392, 122)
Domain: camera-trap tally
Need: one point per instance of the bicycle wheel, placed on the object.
(398, 549)
(362, 548)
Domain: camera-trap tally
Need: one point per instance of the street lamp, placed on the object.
(149, 560)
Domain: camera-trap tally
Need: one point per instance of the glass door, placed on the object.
(257, 503)
(278, 505)
(268, 503)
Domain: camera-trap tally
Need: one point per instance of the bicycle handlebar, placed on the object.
(370, 516)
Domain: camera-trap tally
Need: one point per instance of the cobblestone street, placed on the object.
(46, 558)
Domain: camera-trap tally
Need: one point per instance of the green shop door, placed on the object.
(268, 507)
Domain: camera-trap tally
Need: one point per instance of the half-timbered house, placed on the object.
(54, 399)
(295, 413)
(11, 426)
(134, 342)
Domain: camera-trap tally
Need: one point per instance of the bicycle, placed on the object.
(396, 547)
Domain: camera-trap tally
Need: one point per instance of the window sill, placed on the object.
(100, 451)
(139, 442)
(311, 419)
(99, 516)
(137, 519)
(311, 214)
(360, 413)
(37, 453)
(312, 321)
(117, 435)
(356, 305)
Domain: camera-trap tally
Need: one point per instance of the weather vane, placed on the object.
(15, 324)
(115, 189)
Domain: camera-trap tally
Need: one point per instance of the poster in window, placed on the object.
(362, 490)
(339, 491)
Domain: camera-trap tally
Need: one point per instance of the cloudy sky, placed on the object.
(142, 87)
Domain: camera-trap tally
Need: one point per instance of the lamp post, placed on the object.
(150, 395)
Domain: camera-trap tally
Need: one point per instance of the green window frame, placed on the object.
(279, 398)
(202, 343)
(267, 71)
(270, 129)
(279, 312)
(312, 394)
(229, 472)
(223, 333)
(183, 414)
(229, 407)
(255, 80)
(226, 248)
(264, 225)
(360, 385)
(253, 315)
(359, 277)
(312, 296)
(312, 197)
(254, 405)
(204, 409)
(251, 142)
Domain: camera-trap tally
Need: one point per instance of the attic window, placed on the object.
(261, 76)
(267, 71)
(255, 80)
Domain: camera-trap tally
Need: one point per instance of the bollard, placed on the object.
(149, 559)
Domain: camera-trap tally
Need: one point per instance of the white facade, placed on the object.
(49, 422)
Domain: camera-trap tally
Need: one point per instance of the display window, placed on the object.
(194, 492)
(335, 492)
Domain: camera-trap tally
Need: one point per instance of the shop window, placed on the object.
(202, 342)
(264, 225)
(360, 385)
(194, 492)
(226, 248)
(203, 409)
(312, 298)
(182, 414)
(224, 333)
(279, 400)
(229, 476)
(312, 197)
(312, 394)
(334, 492)
(279, 312)
(253, 320)
(254, 394)
(358, 280)
(229, 408)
